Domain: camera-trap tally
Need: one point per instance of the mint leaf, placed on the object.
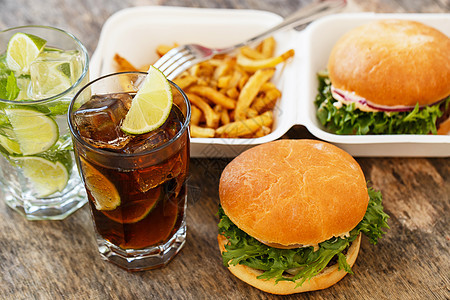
(347, 119)
(12, 89)
(8, 87)
(302, 263)
(3, 83)
(3, 120)
(59, 107)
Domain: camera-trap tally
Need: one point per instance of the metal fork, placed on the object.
(181, 58)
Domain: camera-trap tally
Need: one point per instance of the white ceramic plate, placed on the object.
(135, 32)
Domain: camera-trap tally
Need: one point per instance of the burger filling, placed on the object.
(342, 112)
(299, 264)
(348, 98)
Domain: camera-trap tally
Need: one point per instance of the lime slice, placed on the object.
(135, 211)
(60, 153)
(104, 193)
(151, 105)
(47, 177)
(50, 78)
(35, 132)
(9, 145)
(22, 50)
(163, 220)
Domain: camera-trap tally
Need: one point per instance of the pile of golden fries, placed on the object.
(231, 95)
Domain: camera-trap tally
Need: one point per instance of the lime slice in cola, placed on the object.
(22, 50)
(47, 177)
(104, 193)
(137, 210)
(164, 219)
(151, 105)
(35, 132)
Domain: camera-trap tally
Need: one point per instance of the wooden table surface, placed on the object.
(59, 259)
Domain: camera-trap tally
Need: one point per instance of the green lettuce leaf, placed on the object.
(303, 262)
(349, 120)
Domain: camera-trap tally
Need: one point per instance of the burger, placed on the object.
(387, 77)
(292, 213)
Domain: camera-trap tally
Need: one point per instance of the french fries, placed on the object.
(212, 118)
(247, 126)
(267, 100)
(267, 47)
(202, 132)
(252, 65)
(163, 49)
(250, 90)
(231, 95)
(123, 65)
(252, 53)
(213, 95)
(196, 115)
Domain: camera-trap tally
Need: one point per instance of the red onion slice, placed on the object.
(351, 97)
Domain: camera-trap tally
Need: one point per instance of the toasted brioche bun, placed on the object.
(392, 63)
(294, 192)
(329, 276)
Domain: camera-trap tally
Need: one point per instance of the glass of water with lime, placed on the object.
(41, 69)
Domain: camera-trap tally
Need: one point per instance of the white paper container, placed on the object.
(319, 38)
(134, 33)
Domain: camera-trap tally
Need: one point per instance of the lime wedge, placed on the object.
(151, 105)
(22, 50)
(9, 145)
(104, 193)
(35, 132)
(47, 177)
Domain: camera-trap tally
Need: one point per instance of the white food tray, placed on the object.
(134, 33)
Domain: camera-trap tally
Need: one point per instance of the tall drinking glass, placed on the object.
(41, 69)
(136, 184)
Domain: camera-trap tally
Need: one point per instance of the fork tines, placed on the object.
(175, 61)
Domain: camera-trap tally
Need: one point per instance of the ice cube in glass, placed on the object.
(98, 120)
